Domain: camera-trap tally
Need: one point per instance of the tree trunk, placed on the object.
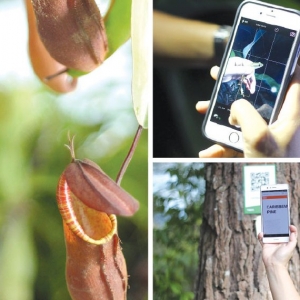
(230, 262)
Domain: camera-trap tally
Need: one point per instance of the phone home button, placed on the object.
(234, 137)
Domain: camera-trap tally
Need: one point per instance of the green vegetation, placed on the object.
(33, 131)
(177, 219)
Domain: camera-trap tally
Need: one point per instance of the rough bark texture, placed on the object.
(230, 262)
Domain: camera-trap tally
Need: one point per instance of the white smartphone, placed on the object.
(258, 64)
(275, 212)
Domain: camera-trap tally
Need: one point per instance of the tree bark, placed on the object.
(230, 262)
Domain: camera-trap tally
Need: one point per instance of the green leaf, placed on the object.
(141, 52)
(76, 73)
(117, 24)
(176, 288)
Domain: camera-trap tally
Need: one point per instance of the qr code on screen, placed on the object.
(258, 179)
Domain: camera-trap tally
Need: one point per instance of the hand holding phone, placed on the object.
(279, 253)
(276, 258)
(283, 129)
(278, 240)
(258, 64)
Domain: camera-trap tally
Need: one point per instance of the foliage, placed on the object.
(33, 131)
(177, 218)
(117, 24)
(32, 156)
(141, 52)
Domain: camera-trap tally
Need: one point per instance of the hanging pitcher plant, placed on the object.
(88, 201)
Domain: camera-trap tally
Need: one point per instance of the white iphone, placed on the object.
(275, 212)
(258, 64)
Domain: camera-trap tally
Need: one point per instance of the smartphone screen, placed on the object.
(258, 64)
(255, 68)
(275, 213)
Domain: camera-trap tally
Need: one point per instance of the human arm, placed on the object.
(180, 38)
(276, 258)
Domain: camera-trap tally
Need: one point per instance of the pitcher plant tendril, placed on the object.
(129, 155)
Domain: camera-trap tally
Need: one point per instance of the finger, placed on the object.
(260, 237)
(218, 151)
(214, 71)
(293, 238)
(202, 106)
(291, 106)
(258, 141)
(294, 233)
(293, 228)
(288, 121)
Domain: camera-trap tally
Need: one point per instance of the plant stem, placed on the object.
(129, 155)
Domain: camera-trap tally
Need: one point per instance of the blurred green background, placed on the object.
(34, 124)
(178, 195)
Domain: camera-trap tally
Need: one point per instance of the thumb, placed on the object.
(258, 140)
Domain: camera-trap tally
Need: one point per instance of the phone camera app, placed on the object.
(254, 69)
